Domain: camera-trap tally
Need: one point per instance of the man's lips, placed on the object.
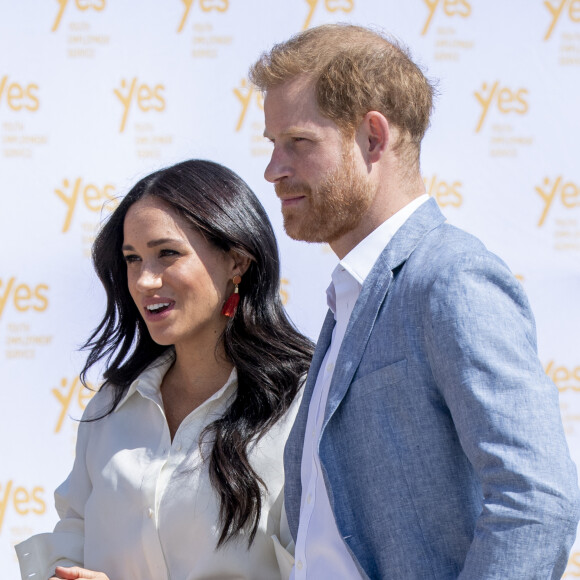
(291, 200)
(291, 194)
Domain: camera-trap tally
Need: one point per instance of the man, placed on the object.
(429, 443)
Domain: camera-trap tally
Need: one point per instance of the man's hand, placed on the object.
(76, 573)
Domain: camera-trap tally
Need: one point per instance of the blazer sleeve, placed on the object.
(481, 342)
(39, 555)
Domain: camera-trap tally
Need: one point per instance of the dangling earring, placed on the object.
(232, 302)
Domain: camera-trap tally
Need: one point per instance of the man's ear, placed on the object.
(373, 136)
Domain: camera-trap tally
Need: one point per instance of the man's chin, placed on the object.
(301, 234)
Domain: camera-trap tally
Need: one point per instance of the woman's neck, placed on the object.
(192, 379)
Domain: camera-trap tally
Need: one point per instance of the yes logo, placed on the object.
(82, 5)
(330, 5)
(568, 193)
(17, 96)
(147, 98)
(71, 392)
(506, 100)
(205, 5)
(563, 377)
(245, 94)
(450, 8)
(573, 569)
(22, 296)
(23, 501)
(569, 7)
(444, 192)
(93, 198)
(284, 295)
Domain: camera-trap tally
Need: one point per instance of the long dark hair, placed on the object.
(270, 355)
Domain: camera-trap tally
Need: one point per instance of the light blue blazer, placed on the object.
(442, 447)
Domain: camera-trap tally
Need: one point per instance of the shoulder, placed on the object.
(104, 399)
(448, 253)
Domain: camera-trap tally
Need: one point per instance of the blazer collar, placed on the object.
(423, 220)
(373, 293)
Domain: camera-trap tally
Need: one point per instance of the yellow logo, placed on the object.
(205, 5)
(69, 392)
(569, 194)
(506, 101)
(147, 98)
(573, 568)
(284, 294)
(82, 5)
(245, 94)
(21, 499)
(22, 296)
(93, 198)
(444, 192)
(330, 5)
(566, 379)
(556, 10)
(18, 96)
(450, 8)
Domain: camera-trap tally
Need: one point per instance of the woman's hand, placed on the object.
(76, 573)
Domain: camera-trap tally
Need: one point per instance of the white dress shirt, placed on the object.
(321, 552)
(139, 506)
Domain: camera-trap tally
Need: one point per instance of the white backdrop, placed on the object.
(95, 94)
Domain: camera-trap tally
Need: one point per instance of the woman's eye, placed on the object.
(167, 252)
(129, 258)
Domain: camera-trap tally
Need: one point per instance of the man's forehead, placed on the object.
(293, 104)
(297, 89)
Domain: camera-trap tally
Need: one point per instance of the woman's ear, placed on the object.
(240, 262)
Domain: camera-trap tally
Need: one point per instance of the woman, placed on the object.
(178, 470)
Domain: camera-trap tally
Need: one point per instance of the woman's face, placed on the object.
(178, 280)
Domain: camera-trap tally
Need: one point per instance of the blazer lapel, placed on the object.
(373, 294)
(297, 434)
(295, 444)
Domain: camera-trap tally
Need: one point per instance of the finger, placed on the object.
(73, 573)
(76, 573)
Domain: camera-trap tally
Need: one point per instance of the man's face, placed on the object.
(318, 176)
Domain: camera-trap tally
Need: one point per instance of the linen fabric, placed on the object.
(320, 550)
(442, 447)
(139, 506)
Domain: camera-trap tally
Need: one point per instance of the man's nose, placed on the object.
(278, 168)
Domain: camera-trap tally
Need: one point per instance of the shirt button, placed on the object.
(299, 565)
(150, 512)
(329, 367)
(309, 498)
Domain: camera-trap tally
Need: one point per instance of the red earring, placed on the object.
(232, 302)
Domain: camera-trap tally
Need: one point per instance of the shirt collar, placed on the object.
(361, 259)
(148, 383)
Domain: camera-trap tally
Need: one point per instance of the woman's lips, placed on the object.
(158, 309)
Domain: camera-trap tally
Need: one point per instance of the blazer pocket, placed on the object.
(382, 378)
